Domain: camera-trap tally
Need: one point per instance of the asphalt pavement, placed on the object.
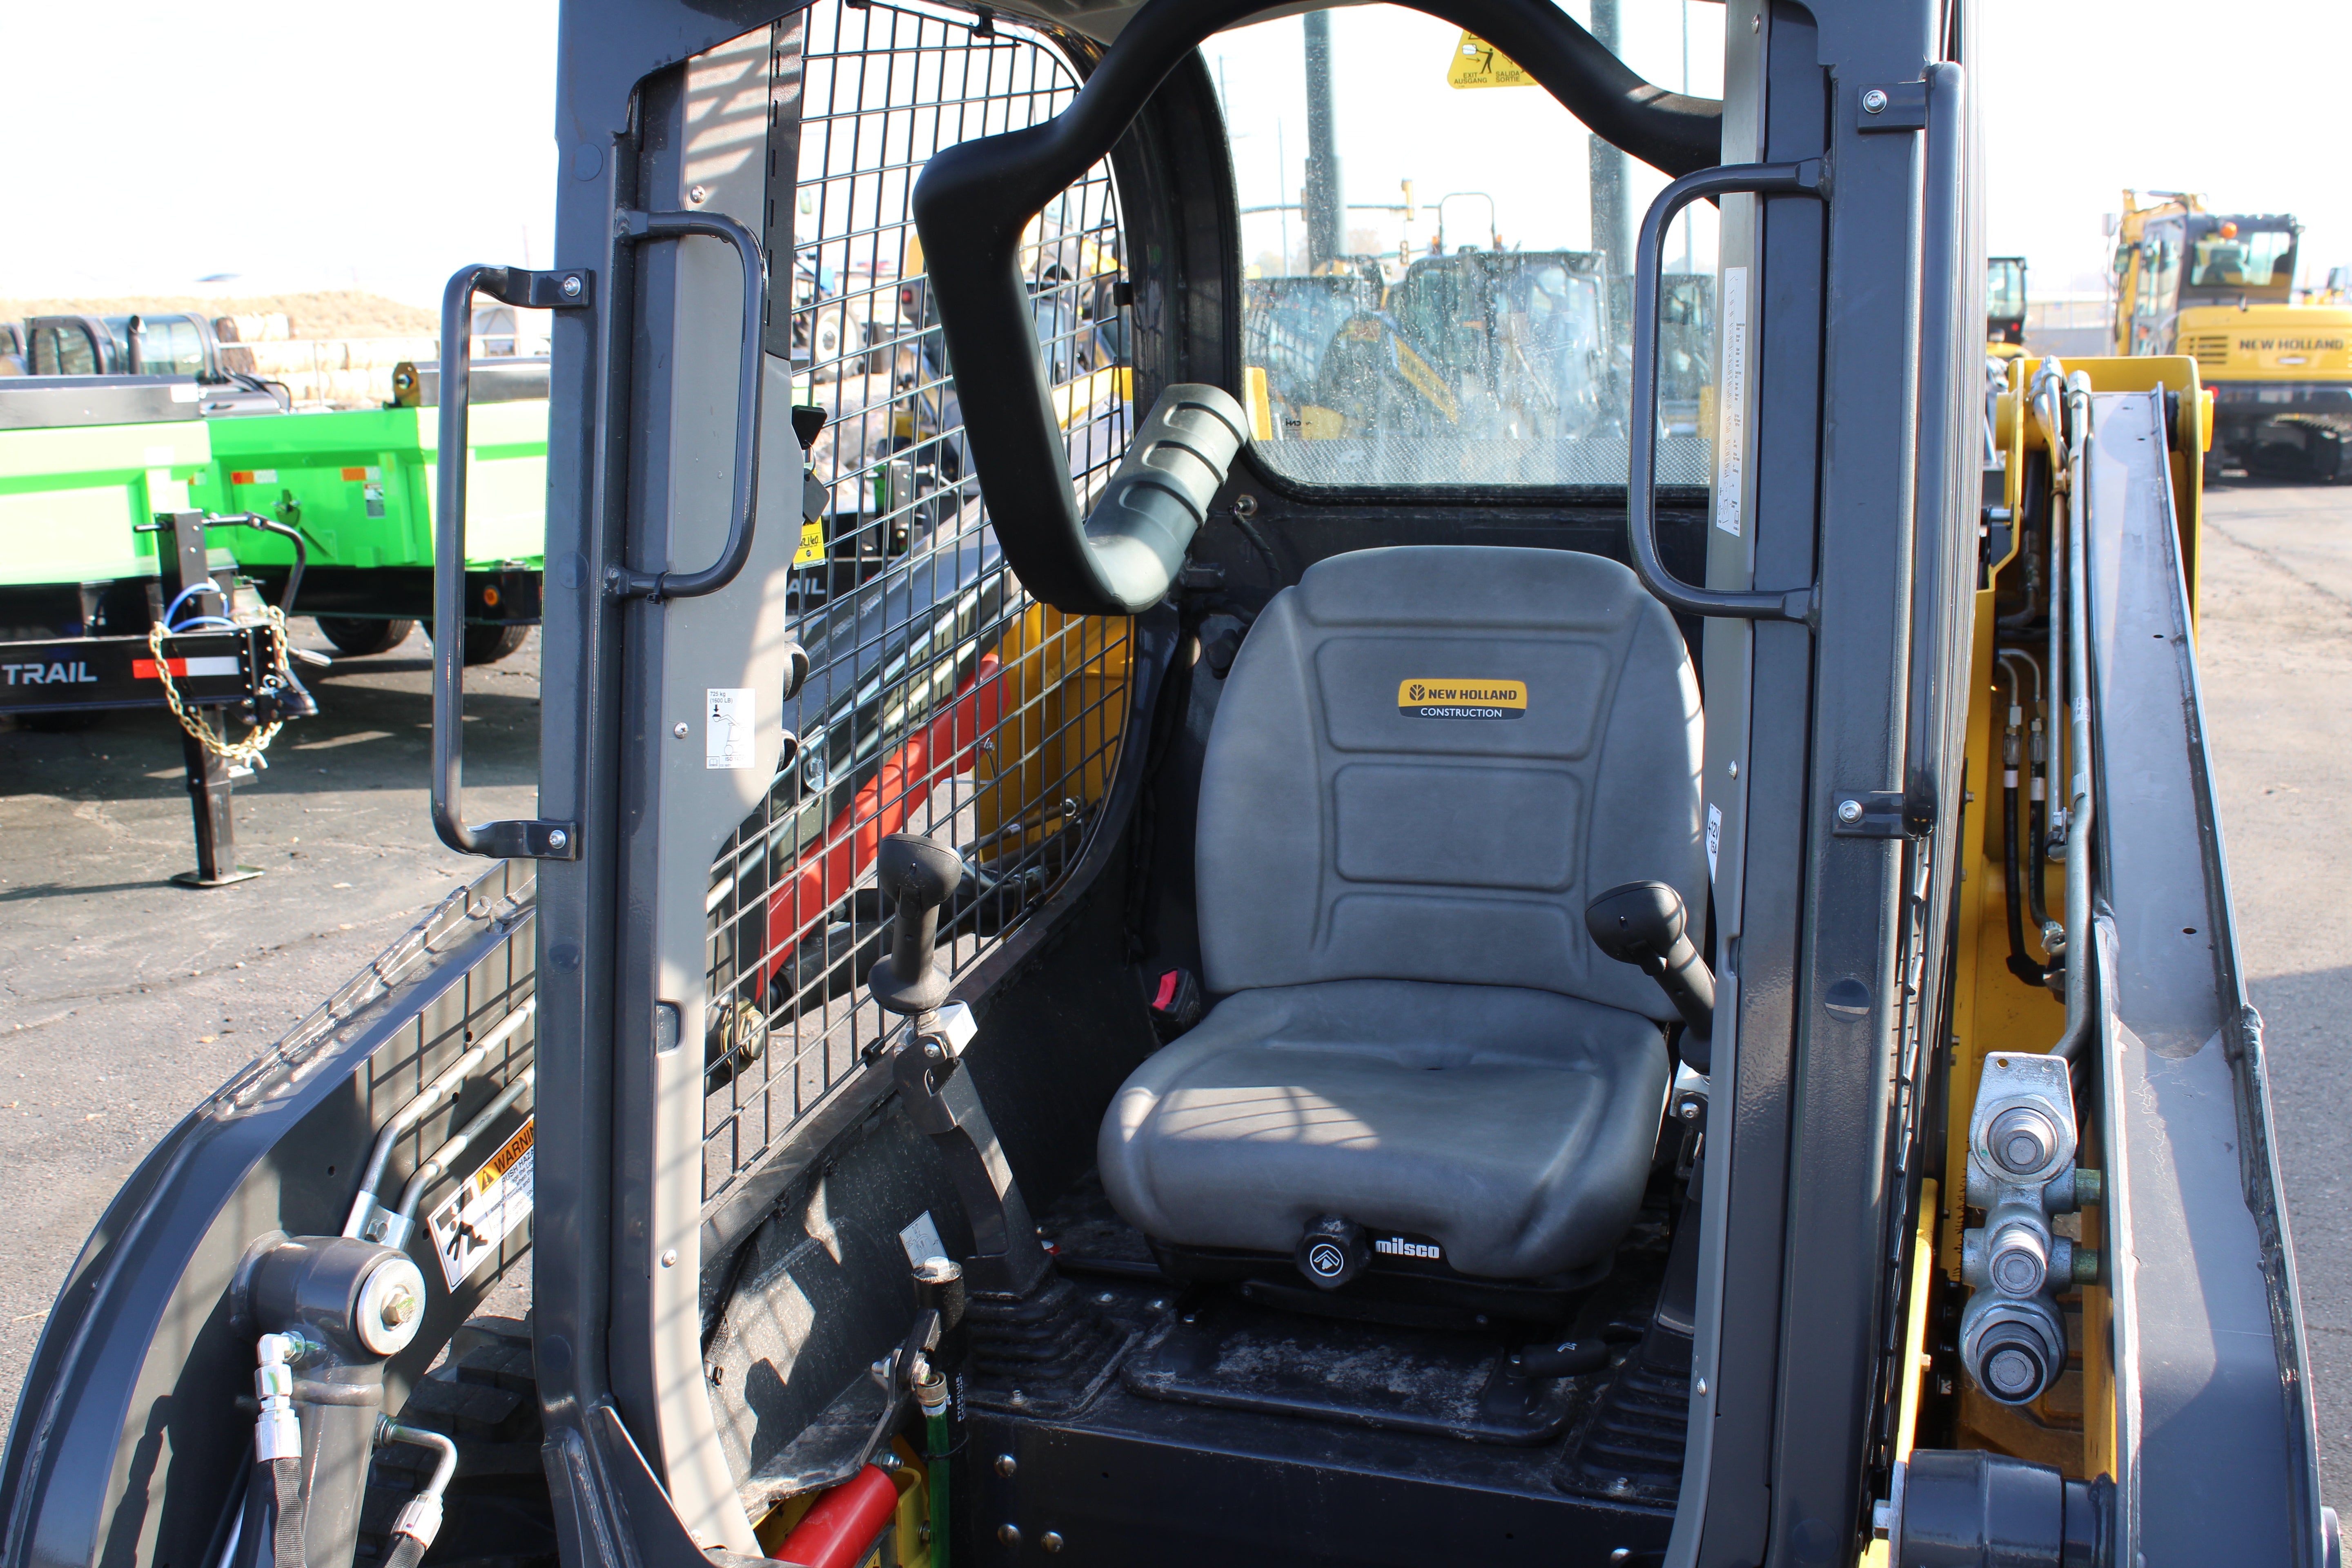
(125, 999)
(2275, 641)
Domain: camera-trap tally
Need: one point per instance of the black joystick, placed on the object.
(1644, 924)
(917, 875)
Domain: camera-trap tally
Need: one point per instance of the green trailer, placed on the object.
(358, 486)
(110, 515)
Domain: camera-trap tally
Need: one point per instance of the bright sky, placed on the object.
(307, 145)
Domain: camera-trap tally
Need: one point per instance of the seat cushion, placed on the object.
(1426, 760)
(1513, 1126)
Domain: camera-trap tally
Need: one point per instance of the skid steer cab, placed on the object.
(1175, 1013)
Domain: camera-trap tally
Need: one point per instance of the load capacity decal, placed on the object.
(1432, 697)
(472, 1222)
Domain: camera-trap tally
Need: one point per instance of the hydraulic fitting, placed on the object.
(2021, 1171)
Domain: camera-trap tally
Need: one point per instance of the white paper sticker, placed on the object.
(1731, 404)
(472, 1222)
(921, 1239)
(1714, 837)
(727, 726)
(165, 493)
(184, 392)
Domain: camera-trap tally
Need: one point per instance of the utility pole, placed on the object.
(1612, 234)
(1326, 209)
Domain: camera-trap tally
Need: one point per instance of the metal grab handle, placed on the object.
(1805, 179)
(1939, 540)
(659, 586)
(565, 291)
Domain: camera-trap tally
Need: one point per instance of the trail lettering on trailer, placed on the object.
(73, 673)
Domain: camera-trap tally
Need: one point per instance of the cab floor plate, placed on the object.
(1241, 1357)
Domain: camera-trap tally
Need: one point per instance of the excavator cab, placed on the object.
(1561, 967)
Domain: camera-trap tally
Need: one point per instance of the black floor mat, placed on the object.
(1242, 1357)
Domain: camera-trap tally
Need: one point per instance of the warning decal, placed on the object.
(1432, 697)
(728, 732)
(484, 1211)
(1477, 63)
(812, 549)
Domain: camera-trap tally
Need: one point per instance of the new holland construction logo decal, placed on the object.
(1429, 696)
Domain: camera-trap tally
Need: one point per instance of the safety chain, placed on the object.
(245, 753)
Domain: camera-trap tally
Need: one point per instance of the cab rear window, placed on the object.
(1427, 296)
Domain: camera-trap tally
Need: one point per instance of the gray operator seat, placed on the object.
(1425, 761)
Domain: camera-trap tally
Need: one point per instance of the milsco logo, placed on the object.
(1431, 698)
(1397, 1246)
(68, 673)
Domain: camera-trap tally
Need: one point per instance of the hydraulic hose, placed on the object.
(364, 1207)
(2037, 803)
(2032, 526)
(2021, 963)
(2078, 724)
(284, 1479)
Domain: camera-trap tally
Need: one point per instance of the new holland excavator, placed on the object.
(1181, 1019)
(2219, 289)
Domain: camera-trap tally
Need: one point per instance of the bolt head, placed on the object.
(2022, 1140)
(571, 286)
(1006, 1464)
(557, 838)
(399, 1306)
(1687, 1111)
(1849, 811)
(1051, 1541)
(2011, 1371)
(669, 1258)
(697, 194)
(1874, 101)
(679, 729)
(1009, 1533)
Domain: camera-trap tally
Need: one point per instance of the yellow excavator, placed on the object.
(2220, 287)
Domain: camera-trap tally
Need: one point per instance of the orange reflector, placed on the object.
(240, 475)
(355, 475)
(491, 596)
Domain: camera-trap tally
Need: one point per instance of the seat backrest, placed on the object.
(1427, 759)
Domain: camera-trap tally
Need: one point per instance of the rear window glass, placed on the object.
(1426, 299)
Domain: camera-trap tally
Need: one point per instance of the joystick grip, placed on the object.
(917, 875)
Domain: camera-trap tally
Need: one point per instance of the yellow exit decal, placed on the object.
(1477, 63)
(812, 549)
(1431, 697)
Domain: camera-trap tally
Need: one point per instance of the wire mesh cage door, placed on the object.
(941, 700)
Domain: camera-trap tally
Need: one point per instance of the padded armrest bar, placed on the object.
(975, 199)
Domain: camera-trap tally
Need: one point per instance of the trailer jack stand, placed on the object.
(211, 795)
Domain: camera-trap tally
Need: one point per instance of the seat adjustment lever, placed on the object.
(1644, 924)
